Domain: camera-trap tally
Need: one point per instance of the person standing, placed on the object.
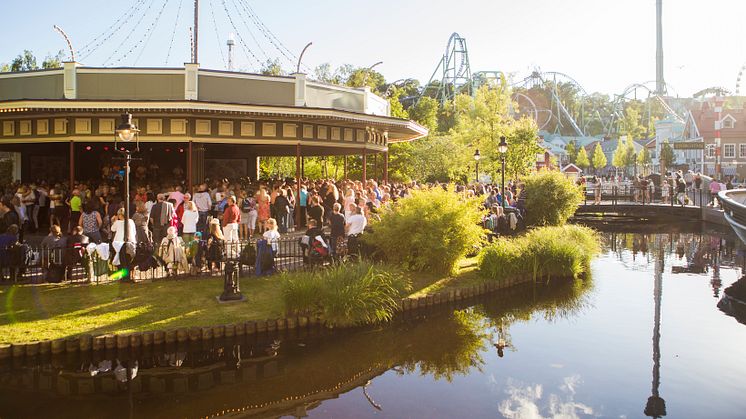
(231, 218)
(189, 221)
(354, 228)
(282, 210)
(76, 205)
(91, 222)
(161, 215)
(203, 202)
(302, 203)
(316, 211)
(337, 223)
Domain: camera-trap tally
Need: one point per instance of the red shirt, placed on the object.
(231, 215)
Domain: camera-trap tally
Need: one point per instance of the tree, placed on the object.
(599, 158)
(572, 151)
(397, 110)
(644, 159)
(361, 77)
(425, 112)
(481, 121)
(272, 68)
(582, 160)
(667, 157)
(620, 155)
(53, 61)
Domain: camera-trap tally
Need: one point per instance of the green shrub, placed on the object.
(551, 198)
(431, 230)
(346, 294)
(564, 251)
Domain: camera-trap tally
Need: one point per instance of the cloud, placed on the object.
(529, 401)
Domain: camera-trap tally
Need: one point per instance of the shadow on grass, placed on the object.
(51, 311)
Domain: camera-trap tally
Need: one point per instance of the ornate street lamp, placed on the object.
(126, 132)
(477, 156)
(502, 148)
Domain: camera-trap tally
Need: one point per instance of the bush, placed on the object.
(431, 230)
(551, 198)
(347, 294)
(543, 252)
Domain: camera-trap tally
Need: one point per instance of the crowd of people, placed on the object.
(676, 187)
(191, 230)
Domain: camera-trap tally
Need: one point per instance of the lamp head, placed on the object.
(477, 156)
(126, 130)
(503, 146)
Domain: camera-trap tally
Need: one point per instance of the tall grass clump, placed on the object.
(430, 231)
(348, 294)
(551, 198)
(563, 252)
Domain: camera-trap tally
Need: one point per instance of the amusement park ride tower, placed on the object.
(660, 83)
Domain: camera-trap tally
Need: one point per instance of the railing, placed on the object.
(22, 262)
(632, 195)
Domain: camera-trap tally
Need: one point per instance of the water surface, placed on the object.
(642, 335)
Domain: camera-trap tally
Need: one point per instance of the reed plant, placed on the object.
(353, 293)
(564, 252)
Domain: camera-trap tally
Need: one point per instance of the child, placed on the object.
(271, 234)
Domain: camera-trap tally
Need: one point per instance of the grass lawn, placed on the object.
(50, 311)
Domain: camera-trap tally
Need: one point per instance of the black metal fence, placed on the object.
(651, 195)
(101, 263)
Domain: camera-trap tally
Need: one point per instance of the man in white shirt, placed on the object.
(204, 203)
(356, 222)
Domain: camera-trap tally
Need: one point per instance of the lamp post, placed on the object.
(477, 156)
(502, 148)
(126, 132)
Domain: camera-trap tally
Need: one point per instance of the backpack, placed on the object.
(248, 255)
(318, 249)
(220, 207)
(248, 204)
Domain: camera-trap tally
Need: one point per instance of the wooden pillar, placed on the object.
(365, 165)
(297, 184)
(385, 167)
(190, 180)
(72, 165)
(302, 167)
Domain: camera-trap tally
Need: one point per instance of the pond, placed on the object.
(642, 337)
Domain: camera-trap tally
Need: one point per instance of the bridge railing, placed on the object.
(650, 195)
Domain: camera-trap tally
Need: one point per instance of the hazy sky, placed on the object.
(605, 45)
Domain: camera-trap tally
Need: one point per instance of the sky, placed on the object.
(604, 45)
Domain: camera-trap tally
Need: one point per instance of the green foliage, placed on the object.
(667, 156)
(272, 68)
(483, 119)
(397, 109)
(425, 112)
(599, 158)
(551, 198)
(429, 231)
(27, 62)
(346, 294)
(561, 252)
(572, 151)
(631, 125)
(643, 157)
(582, 160)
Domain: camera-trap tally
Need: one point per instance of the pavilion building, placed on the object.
(59, 124)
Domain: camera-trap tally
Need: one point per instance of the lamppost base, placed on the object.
(231, 291)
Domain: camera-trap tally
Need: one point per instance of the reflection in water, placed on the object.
(524, 401)
(656, 406)
(298, 371)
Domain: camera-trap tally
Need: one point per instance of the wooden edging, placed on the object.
(86, 343)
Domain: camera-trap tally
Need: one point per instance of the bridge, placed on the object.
(624, 203)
